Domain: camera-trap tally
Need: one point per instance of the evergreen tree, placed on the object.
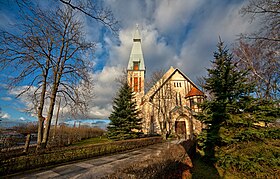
(125, 121)
(227, 86)
(239, 136)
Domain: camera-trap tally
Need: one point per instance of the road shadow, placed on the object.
(200, 167)
(203, 168)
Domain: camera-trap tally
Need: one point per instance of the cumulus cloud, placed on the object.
(105, 85)
(22, 119)
(175, 33)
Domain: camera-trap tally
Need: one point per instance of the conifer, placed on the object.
(229, 90)
(239, 126)
(125, 121)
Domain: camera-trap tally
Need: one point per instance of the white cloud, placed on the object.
(179, 33)
(175, 33)
(173, 16)
(6, 98)
(6, 116)
(105, 87)
(22, 119)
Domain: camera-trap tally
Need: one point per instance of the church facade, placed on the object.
(168, 107)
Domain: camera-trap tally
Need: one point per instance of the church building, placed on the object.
(168, 107)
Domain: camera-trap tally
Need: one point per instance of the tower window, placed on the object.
(135, 65)
(140, 84)
(135, 84)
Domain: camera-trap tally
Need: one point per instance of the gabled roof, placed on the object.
(165, 78)
(194, 92)
(136, 54)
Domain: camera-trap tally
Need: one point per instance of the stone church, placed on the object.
(168, 107)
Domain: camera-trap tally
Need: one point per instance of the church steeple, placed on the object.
(136, 55)
(136, 66)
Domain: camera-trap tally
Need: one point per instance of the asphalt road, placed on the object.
(96, 167)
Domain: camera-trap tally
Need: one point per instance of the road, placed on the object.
(96, 167)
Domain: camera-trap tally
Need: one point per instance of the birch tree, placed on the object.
(259, 51)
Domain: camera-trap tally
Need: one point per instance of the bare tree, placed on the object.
(258, 52)
(91, 9)
(50, 57)
(263, 68)
(268, 14)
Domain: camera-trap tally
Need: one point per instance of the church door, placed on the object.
(180, 129)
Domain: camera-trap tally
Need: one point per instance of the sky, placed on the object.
(178, 33)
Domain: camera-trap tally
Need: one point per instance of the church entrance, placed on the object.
(180, 129)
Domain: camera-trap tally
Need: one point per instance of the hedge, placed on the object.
(67, 154)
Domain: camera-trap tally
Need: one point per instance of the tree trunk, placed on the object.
(40, 114)
(57, 77)
(27, 142)
(49, 118)
(40, 132)
(56, 119)
(41, 106)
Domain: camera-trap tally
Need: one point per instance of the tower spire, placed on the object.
(136, 54)
(137, 36)
(136, 66)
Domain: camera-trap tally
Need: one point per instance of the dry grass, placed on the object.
(68, 135)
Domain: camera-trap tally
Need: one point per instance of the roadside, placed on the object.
(97, 167)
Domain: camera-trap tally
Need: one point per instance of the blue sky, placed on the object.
(178, 33)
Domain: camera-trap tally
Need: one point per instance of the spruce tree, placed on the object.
(227, 87)
(239, 126)
(125, 121)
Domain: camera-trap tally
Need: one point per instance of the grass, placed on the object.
(95, 140)
(252, 159)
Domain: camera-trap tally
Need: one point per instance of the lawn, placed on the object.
(95, 140)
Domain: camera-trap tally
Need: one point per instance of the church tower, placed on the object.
(136, 67)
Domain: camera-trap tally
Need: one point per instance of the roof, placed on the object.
(136, 54)
(165, 78)
(194, 92)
